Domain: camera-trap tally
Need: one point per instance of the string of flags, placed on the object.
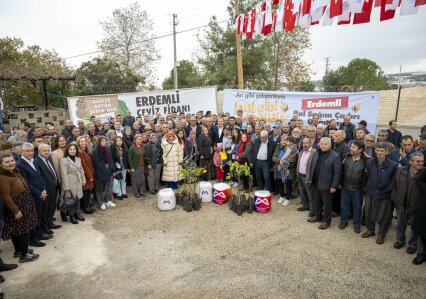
(284, 15)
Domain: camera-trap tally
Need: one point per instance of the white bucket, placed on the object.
(166, 199)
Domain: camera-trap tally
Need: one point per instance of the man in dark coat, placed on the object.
(349, 128)
(378, 205)
(262, 157)
(326, 178)
(402, 155)
(128, 119)
(45, 164)
(342, 149)
(419, 221)
(33, 177)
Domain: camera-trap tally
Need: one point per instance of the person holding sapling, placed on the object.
(219, 163)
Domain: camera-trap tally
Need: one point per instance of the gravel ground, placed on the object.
(137, 251)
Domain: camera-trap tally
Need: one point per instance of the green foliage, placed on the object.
(188, 76)
(238, 170)
(359, 75)
(104, 72)
(306, 86)
(190, 174)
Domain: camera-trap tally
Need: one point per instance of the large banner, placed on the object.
(139, 103)
(282, 105)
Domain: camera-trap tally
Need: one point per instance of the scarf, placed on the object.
(243, 146)
(192, 140)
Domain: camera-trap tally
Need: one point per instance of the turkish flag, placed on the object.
(275, 2)
(306, 7)
(364, 15)
(387, 11)
(336, 8)
(420, 2)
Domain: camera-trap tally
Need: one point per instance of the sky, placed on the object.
(72, 28)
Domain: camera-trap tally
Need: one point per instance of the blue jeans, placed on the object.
(263, 175)
(355, 199)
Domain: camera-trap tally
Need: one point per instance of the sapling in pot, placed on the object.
(239, 200)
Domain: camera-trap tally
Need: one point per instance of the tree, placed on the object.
(129, 40)
(188, 76)
(273, 62)
(359, 75)
(102, 76)
(31, 63)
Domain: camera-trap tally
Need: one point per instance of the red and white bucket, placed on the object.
(262, 201)
(221, 193)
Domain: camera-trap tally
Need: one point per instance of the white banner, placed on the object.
(163, 101)
(281, 105)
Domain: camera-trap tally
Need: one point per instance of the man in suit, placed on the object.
(45, 164)
(402, 155)
(32, 175)
(326, 177)
(218, 131)
(193, 126)
(262, 157)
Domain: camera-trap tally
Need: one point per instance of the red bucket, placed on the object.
(221, 193)
(262, 201)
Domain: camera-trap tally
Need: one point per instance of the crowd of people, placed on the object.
(338, 170)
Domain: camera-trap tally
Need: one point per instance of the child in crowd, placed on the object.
(219, 161)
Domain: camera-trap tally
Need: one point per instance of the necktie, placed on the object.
(52, 172)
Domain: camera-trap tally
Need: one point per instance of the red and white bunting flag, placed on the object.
(327, 20)
(317, 15)
(237, 24)
(305, 21)
(336, 8)
(357, 5)
(297, 5)
(290, 16)
(408, 7)
(387, 11)
(251, 24)
(306, 7)
(241, 23)
(365, 14)
(268, 13)
(420, 2)
(279, 20)
(259, 21)
(345, 17)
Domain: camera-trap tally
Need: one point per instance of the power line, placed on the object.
(146, 40)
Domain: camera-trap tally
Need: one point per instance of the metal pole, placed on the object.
(399, 94)
(239, 55)
(174, 51)
(46, 101)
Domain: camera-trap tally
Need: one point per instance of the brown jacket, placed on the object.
(399, 189)
(11, 184)
(89, 172)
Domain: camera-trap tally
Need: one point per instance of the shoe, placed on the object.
(48, 231)
(334, 214)
(8, 267)
(64, 217)
(301, 209)
(311, 214)
(324, 225)
(409, 250)
(138, 196)
(357, 230)
(2, 280)
(18, 254)
(156, 190)
(110, 204)
(45, 237)
(115, 195)
(142, 194)
(29, 257)
(125, 195)
(93, 210)
(280, 201)
(87, 211)
(103, 207)
(73, 220)
(343, 225)
(121, 197)
(314, 219)
(54, 226)
(286, 202)
(37, 244)
(418, 260)
(380, 239)
(397, 245)
(79, 217)
(367, 234)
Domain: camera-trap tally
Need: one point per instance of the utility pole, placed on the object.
(399, 93)
(239, 56)
(174, 51)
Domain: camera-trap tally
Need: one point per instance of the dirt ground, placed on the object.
(137, 251)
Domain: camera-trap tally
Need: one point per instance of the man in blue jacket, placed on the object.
(402, 155)
(326, 178)
(32, 175)
(262, 157)
(378, 205)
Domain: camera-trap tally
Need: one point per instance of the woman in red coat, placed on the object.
(89, 173)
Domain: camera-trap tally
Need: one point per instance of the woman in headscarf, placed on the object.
(127, 136)
(192, 138)
(111, 135)
(244, 155)
(154, 163)
(104, 172)
(172, 157)
(136, 156)
(205, 147)
(120, 158)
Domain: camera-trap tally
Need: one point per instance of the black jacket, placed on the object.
(116, 158)
(330, 171)
(51, 182)
(188, 130)
(216, 138)
(33, 177)
(353, 173)
(350, 131)
(205, 146)
(419, 222)
(342, 149)
(379, 178)
(128, 121)
(270, 151)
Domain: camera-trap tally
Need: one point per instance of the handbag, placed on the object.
(67, 203)
(118, 176)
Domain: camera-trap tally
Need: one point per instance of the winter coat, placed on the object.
(399, 191)
(89, 172)
(394, 156)
(205, 146)
(73, 178)
(115, 156)
(103, 171)
(152, 154)
(330, 172)
(312, 160)
(172, 157)
(379, 178)
(350, 131)
(134, 156)
(57, 155)
(419, 222)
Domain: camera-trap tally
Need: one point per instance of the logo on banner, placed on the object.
(325, 103)
(263, 200)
